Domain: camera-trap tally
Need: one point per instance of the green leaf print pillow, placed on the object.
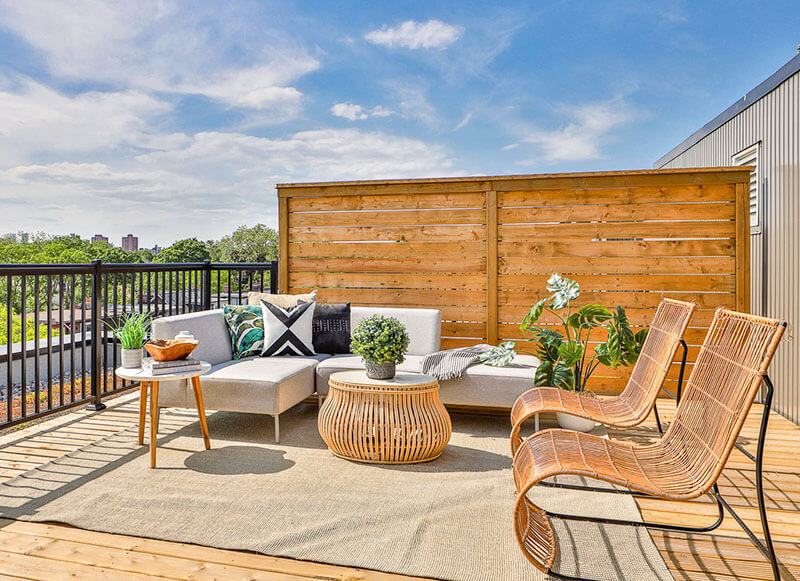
(246, 325)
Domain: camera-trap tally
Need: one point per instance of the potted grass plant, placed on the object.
(567, 359)
(131, 331)
(382, 343)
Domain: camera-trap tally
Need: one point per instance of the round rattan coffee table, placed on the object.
(393, 421)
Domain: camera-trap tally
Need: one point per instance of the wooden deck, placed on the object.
(52, 552)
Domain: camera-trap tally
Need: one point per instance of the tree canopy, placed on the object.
(257, 243)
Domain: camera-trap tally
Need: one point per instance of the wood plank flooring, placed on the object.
(52, 552)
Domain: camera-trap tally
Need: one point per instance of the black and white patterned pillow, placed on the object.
(288, 331)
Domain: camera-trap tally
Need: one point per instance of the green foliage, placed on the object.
(565, 359)
(247, 244)
(499, 356)
(132, 330)
(188, 250)
(380, 339)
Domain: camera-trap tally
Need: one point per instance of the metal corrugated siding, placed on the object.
(774, 121)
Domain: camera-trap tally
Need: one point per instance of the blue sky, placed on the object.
(175, 119)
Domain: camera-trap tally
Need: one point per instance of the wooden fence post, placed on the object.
(491, 267)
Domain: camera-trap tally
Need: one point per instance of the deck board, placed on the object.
(51, 551)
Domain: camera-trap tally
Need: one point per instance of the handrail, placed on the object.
(74, 360)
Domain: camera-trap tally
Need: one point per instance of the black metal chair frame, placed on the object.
(765, 547)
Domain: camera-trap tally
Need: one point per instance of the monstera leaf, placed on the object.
(549, 342)
(570, 353)
(564, 290)
(534, 314)
(589, 317)
(499, 356)
(550, 374)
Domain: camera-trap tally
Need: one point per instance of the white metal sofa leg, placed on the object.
(277, 429)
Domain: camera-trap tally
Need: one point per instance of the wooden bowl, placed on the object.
(162, 350)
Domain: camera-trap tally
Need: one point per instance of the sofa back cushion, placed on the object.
(424, 326)
(208, 327)
(282, 301)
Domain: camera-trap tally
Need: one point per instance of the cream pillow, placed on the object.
(282, 301)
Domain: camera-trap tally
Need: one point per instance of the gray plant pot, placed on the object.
(380, 370)
(131, 358)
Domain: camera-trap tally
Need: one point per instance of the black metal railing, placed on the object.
(56, 349)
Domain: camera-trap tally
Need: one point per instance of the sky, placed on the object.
(176, 119)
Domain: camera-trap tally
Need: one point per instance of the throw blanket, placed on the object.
(452, 363)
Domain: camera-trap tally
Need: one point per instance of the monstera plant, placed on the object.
(567, 360)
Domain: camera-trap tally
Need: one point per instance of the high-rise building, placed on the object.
(130, 243)
(99, 238)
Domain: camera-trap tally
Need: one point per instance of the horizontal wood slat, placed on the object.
(390, 233)
(628, 238)
(383, 249)
(389, 218)
(387, 202)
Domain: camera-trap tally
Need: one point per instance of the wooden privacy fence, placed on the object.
(480, 249)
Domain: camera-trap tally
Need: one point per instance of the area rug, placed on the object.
(447, 519)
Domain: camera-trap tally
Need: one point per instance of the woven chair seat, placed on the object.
(686, 462)
(633, 405)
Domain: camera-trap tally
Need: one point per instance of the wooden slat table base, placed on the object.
(383, 423)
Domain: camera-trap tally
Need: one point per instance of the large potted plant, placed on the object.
(131, 331)
(567, 360)
(382, 343)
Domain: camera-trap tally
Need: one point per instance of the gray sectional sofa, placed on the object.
(272, 385)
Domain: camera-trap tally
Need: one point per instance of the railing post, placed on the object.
(206, 285)
(273, 277)
(97, 397)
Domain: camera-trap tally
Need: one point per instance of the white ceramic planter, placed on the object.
(574, 423)
(131, 358)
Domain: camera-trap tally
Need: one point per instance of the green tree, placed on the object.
(188, 250)
(248, 244)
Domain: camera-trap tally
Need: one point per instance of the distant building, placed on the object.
(762, 130)
(130, 243)
(99, 238)
(156, 249)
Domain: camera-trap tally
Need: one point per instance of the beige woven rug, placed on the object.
(448, 519)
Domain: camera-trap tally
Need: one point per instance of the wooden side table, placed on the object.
(394, 421)
(147, 380)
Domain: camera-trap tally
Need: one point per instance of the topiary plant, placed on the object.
(380, 339)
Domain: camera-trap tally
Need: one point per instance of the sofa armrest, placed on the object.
(208, 327)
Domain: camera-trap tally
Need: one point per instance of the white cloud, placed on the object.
(465, 121)
(413, 102)
(205, 187)
(349, 111)
(152, 46)
(415, 35)
(355, 112)
(582, 138)
(380, 111)
(36, 119)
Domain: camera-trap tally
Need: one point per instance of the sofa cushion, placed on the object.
(487, 386)
(268, 385)
(208, 327)
(246, 324)
(336, 363)
(283, 301)
(288, 331)
(422, 325)
(331, 328)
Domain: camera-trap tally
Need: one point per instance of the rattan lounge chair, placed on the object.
(633, 405)
(685, 463)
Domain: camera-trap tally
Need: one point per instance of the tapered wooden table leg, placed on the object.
(153, 422)
(142, 410)
(201, 410)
